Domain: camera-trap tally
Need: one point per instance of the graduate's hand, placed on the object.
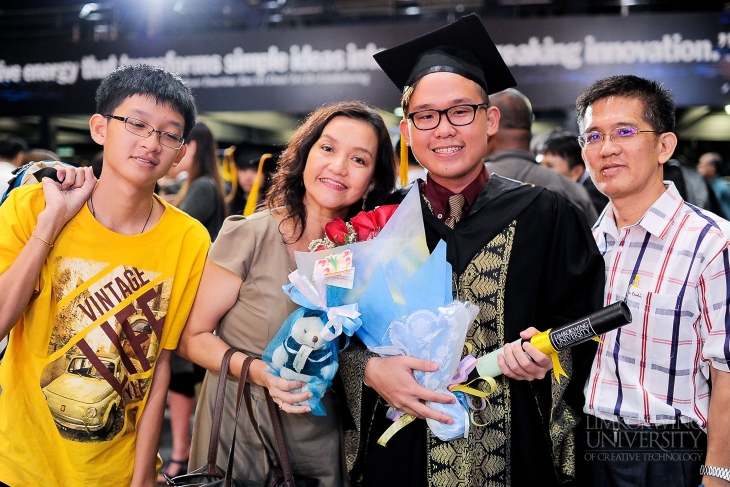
(392, 378)
(516, 364)
(65, 199)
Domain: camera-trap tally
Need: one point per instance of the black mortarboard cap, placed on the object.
(463, 47)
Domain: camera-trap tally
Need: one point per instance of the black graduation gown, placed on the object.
(526, 256)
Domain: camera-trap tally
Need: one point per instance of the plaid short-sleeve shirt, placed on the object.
(673, 269)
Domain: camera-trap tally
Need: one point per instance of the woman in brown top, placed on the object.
(337, 162)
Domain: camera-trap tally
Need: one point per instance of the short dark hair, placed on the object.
(564, 144)
(287, 187)
(11, 145)
(163, 86)
(657, 100)
(405, 100)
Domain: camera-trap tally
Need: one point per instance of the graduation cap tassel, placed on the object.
(253, 196)
(229, 171)
(403, 169)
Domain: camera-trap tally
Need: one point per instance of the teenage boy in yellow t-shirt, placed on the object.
(96, 280)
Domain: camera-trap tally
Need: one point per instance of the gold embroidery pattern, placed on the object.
(562, 423)
(483, 459)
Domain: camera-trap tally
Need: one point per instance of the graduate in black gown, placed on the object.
(523, 254)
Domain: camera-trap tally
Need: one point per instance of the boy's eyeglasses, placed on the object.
(143, 129)
(457, 116)
(619, 135)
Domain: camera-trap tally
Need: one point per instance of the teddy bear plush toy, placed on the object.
(304, 355)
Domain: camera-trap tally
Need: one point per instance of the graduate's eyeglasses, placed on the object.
(457, 116)
(144, 130)
(619, 135)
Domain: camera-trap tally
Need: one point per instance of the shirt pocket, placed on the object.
(651, 333)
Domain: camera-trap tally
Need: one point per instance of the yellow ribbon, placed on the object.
(466, 389)
(492, 385)
(407, 419)
(397, 425)
(541, 341)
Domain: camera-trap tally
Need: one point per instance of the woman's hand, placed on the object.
(287, 394)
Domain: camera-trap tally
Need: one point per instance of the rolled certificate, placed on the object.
(565, 336)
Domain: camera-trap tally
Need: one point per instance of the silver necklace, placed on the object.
(91, 202)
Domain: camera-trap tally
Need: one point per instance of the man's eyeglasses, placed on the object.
(143, 129)
(457, 116)
(619, 135)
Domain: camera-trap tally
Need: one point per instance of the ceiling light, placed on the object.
(88, 11)
(412, 10)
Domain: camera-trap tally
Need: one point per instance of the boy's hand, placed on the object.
(515, 363)
(65, 199)
(392, 378)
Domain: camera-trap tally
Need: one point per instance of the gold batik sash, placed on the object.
(484, 457)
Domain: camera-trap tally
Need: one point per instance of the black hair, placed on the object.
(657, 101)
(11, 146)
(405, 100)
(564, 144)
(163, 86)
(205, 161)
(287, 187)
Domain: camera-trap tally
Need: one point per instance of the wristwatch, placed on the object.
(720, 473)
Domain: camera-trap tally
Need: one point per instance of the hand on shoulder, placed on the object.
(65, 199)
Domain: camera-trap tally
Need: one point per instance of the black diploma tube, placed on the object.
(552, 341)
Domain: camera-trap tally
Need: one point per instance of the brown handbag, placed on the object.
(211, 475)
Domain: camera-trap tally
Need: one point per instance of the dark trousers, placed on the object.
(621, 455)
(403, 462)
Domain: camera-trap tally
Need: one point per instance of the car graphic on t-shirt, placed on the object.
(81, 399)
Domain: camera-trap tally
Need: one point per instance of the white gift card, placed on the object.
(337, 269)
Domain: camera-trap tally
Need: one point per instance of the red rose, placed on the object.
(336, 231)
(382, 214)
(364, 225)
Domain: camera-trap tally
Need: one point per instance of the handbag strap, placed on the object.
(242, 388)
(286, 470)
(249, 408)
(280, 441)
(218, 411)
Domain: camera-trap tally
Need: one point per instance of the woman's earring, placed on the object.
(363, 201)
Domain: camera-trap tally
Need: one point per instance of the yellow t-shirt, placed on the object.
(78, 369)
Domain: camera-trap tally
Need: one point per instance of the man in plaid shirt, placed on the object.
(659, 390)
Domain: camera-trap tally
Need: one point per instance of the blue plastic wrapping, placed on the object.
(428, 324)
(305, 348)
